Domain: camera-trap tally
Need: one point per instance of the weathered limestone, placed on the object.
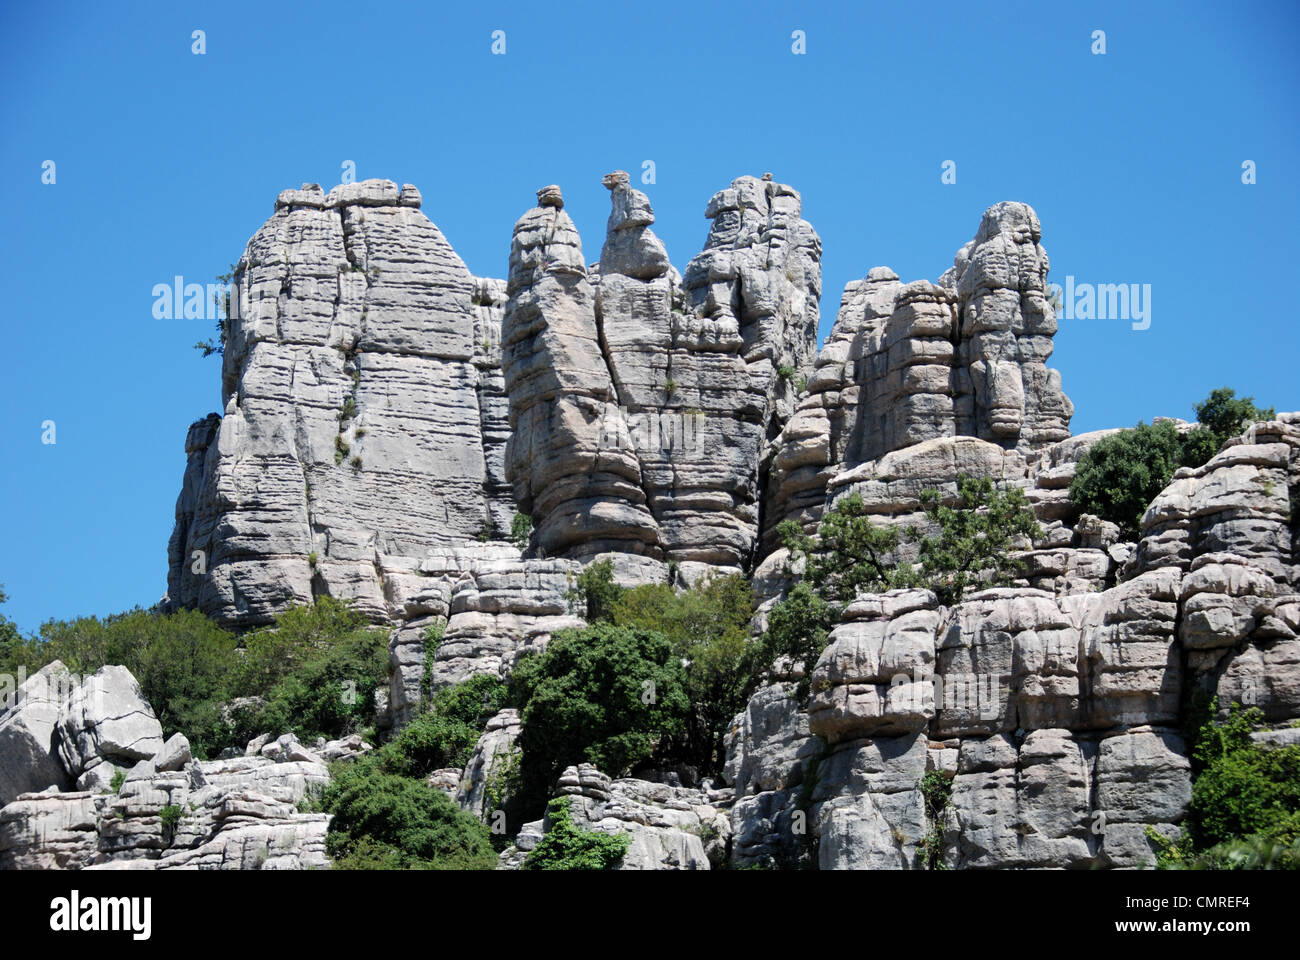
(664, 822)
(106, 724)
(641, 401)
(29, 747)
(907, 363)
(494, 758)
(363, 411)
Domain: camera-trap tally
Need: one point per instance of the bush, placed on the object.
(594, 593)
(521, 530)
(1245, 788)
(1119, 476)
(976, 538)
(797, 627)
(606, 695)
(445, 734)
(384, 821)
(850, 555)
(1226, 415)
(317, 669)
(1245, 809)
(567, 847)
(708, 627)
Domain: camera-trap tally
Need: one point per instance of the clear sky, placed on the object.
(167, 161)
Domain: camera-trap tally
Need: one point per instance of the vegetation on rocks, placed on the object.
(1119, 476)
(568, 847)
(312, 673)
(1245, 809)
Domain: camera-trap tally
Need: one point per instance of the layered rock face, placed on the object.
(641, 402)
(1053, 710)
(364, 419)
(910, 362)
(386, 414)
(169, 811)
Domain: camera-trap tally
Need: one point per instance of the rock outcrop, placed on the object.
(363, 420)
(641, 402)
(387, 414)
(911, 362)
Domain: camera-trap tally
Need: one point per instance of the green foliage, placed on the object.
(1119, 476)
(385, 814)
(1245, 809)
(1245, 788)
(1197, 446)
(670, 386)
(313, 558)
(341, 449)
(385, 821)
(170, 816)
(785, 371)
(521, 530)
(850, 555)
(568, 847)
(936, 789)
(976, 538)
(119, 778)
(1226, 415)
(797, 627)
(607, 695)
(594, 593)
(708, 627)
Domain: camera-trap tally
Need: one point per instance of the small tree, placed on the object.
(611, 696)
(1226, 415)
(1119, 476)
(976, 538)
(594, 593)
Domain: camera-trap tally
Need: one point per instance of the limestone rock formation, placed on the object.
(640, 401)
(908, 363)
(29, 746)
(364, 414)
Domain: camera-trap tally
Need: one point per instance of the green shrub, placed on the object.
(850, 555)
(785, 371)
(976, 539)
(119, 778)
(1226, 415)
(385, 821)
(797, 627)
(170, 816)
(521, 530)
(1119, 476)
(568, 847)
(445, 734)
(708, 627)
(594, 592)
(606, 695)
(1245, 809)
(1245, 788)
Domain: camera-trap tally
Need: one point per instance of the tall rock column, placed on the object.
(580, 481)
(1007, 394)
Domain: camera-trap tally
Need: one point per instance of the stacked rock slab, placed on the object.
(364, 417)
(906, 363)
(1054, 715)
(642, 403)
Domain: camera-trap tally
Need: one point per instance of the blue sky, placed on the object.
(167, 161)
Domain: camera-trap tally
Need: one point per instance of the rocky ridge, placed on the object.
(669, 422)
